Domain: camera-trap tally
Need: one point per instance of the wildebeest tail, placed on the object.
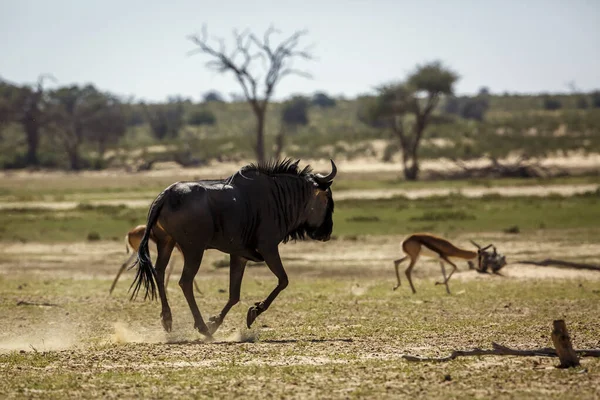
(146, 274)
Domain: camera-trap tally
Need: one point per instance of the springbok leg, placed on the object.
(125, 264)
(396, 265)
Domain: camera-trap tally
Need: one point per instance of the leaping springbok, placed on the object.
(132, 240)
(436, 247)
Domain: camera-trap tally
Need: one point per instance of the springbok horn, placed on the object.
(475, 244)
(324, 180)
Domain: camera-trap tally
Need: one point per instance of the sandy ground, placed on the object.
(369, 256)
(48, 352)
(574, 160)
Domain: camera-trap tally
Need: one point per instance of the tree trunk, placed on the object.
(73, 147)
(562, 343)
(279, 143)
(74, 158)
(32, 132)
(411, 172)
(260, 136)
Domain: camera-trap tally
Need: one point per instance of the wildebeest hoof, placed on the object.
(213, 324)
(253, 312)
(166, 321)
(206, 332)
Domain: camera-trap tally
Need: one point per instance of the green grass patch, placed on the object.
(396, 215)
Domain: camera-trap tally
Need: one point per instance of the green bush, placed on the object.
(202, 117)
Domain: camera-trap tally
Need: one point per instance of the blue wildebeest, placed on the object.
(246, 216)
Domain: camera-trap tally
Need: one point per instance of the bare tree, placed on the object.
(258, 87)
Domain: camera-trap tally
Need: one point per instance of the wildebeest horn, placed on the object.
(324, 180)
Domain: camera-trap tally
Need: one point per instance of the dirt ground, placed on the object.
(369, 256)
(338, 332)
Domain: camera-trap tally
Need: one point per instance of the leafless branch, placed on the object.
(275, 59)
(499, 350)
(257, 87)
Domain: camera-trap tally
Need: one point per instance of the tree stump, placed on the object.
(562, 344)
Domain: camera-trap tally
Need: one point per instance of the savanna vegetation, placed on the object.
(416, 118)
(338, 330)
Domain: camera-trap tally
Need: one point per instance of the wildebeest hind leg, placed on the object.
(193, 258)
(237, 265)
(165, 248)
(273, 261)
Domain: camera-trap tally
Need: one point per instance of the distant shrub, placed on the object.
(582, 103)
(468, 107)
(295, 111)
(202, 117)
(322, 100)
(93, 236)
(222, 263)
(444, 216)
(363, 218)
(213, 96)
(551, 103)
(513, 229)
(596, 99)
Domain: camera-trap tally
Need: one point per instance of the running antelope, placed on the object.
(132, 240)
(424, 244)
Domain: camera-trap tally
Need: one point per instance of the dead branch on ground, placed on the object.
(521, 168)
(560, 338)
(28, 303)
(500, 350)
(549, 262)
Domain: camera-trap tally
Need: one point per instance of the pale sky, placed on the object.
(139, 47)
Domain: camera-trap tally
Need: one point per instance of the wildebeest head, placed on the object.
(489, 260)
(319, 219)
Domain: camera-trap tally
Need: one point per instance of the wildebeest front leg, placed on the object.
(193, 258)
(237, 265)
(273, 261)
(170, 269)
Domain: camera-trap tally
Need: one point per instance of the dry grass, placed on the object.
(338, 331)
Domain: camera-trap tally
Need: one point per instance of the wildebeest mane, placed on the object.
(279, 167)
(287, 197)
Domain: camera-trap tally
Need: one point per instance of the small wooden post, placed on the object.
(562, 344)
